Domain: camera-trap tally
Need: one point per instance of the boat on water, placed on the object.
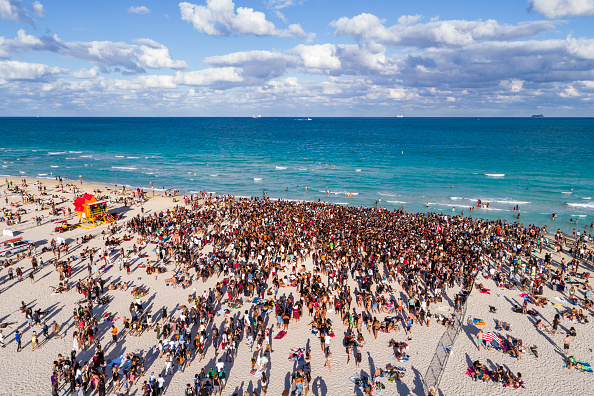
(308, 119)
(537, 116)
(399, 116)
(257, 116)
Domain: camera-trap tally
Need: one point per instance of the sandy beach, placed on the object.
(29, 372)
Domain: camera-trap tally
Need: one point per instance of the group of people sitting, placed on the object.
(575, 316)
(499, 375)
(84, 239)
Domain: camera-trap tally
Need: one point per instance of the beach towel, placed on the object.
(296, 355)
(562, 300)
(106, 318)
(585, 367)
(485, 291)
(474, 321)
(446, 348)
(280, 335)
(404, 359)
(354, 379)
(469, 371)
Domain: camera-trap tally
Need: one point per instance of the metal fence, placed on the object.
(443, 351)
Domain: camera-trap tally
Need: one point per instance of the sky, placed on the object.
(297, 58)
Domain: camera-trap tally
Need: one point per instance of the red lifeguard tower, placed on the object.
(91, 211)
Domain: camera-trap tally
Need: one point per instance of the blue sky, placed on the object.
(296, 58)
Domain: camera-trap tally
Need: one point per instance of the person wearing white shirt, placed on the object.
(220, 365)
(160, 384)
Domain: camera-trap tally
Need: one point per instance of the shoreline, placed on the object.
(159, 193)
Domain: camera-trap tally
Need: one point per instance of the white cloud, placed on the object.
(322, 56)
(219, 18)
(409, 19)
(512, 85)
(209, 77)
(570, 92)
(562, 8)
(142, 83)
(329, 59)
(11, 10)
(23, 42)
(13, 70)
(256, 65)
(402, 93)
(107, 54)
(84, 74)
(140, 10)
(38, 8)
(156, 56)
(582, 48)
(280, 4)
(368, 27)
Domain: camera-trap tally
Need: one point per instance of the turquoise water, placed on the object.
(406, 162)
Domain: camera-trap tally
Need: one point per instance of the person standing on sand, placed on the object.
(328, 361)
(56, 329)
(566, 343)
(479, 339)
(556, 324)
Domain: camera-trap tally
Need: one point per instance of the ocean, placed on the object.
(543, 166)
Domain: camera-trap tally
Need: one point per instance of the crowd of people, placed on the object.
(359, 260)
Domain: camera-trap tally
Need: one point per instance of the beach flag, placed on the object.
(490, 337)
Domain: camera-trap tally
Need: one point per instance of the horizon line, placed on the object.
(297, 116)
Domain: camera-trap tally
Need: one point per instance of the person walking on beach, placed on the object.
(566, 343)
(328, 361)
(34, 341)
(56, 329)
(18, 338)
(114, 333)
(168, 364)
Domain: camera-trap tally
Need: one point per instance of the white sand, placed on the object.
(28, 373)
